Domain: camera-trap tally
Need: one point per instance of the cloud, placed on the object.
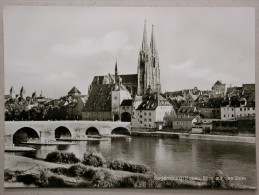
(113, 43)
(190, 70)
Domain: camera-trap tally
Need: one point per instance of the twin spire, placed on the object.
(152, 41)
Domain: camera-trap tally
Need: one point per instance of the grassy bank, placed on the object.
(94, 171)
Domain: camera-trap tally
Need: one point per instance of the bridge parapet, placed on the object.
(77, 129)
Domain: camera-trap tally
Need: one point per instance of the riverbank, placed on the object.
(225, 138)
(39, 173)
(18, 149)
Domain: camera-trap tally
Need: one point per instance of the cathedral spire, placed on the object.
(144, 41)
(116, 69)
(152, 42)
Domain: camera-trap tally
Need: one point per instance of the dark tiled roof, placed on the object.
(183, 119)
(126, 103)
(126, 79)
(74, 90)
(151, 101)
(99, 98)
(186, 109)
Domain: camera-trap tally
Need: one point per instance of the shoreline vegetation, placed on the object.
(63, 169)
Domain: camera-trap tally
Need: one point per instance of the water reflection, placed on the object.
(168, 156)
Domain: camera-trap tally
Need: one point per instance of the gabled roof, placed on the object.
(194, 97)
(218, 83)
(74, 90)
(99, 98)
(126, 103)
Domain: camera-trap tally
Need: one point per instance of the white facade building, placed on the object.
(232, 113)
(154, 112)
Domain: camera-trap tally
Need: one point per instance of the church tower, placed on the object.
(156, 86)
(148, 66)
(22, 92)
(12, 93)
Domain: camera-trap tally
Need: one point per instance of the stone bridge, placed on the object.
(47, 131)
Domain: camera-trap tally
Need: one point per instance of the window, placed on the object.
(150, 114)
(224, 115)
(140, 116)
(140, 122)
(240, 109)
(145, 120)
(150, 120)
(232, 109)
(133, 113)
(232, 115)
(145, 113)
(145, 125)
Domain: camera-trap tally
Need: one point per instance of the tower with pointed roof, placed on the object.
(22, 92)
(148, 65)
(12, 93)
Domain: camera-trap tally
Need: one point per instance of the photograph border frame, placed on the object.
(118, 3)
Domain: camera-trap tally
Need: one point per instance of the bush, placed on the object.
(28, 179)
(54, 181)
(59, 170)
(219, 181)
(123, 165)
(62, 157)
(104, 178)
(77, 170)
(94, 159)
(137, 181)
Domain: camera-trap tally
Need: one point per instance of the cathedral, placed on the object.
(106, 93)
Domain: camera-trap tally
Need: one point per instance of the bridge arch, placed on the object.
(120, 131)
(92, 131)
(125, 117)
(63, 132)
(24, 134)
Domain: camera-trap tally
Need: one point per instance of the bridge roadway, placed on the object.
(47, 130)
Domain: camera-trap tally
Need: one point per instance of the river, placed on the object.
(178, 157)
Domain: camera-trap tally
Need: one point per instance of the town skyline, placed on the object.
(74, 55)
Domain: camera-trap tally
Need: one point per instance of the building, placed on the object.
(154, 112)
(184, 123)
(148, 66)
(218, 89)
(191, 99)
(104, 100)
(119, 94)
(74, 103)
(187, 112)
(232, 113)
(126, 109)
(210, 113)
(106, 93)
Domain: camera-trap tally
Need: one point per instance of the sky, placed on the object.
(52, 49)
